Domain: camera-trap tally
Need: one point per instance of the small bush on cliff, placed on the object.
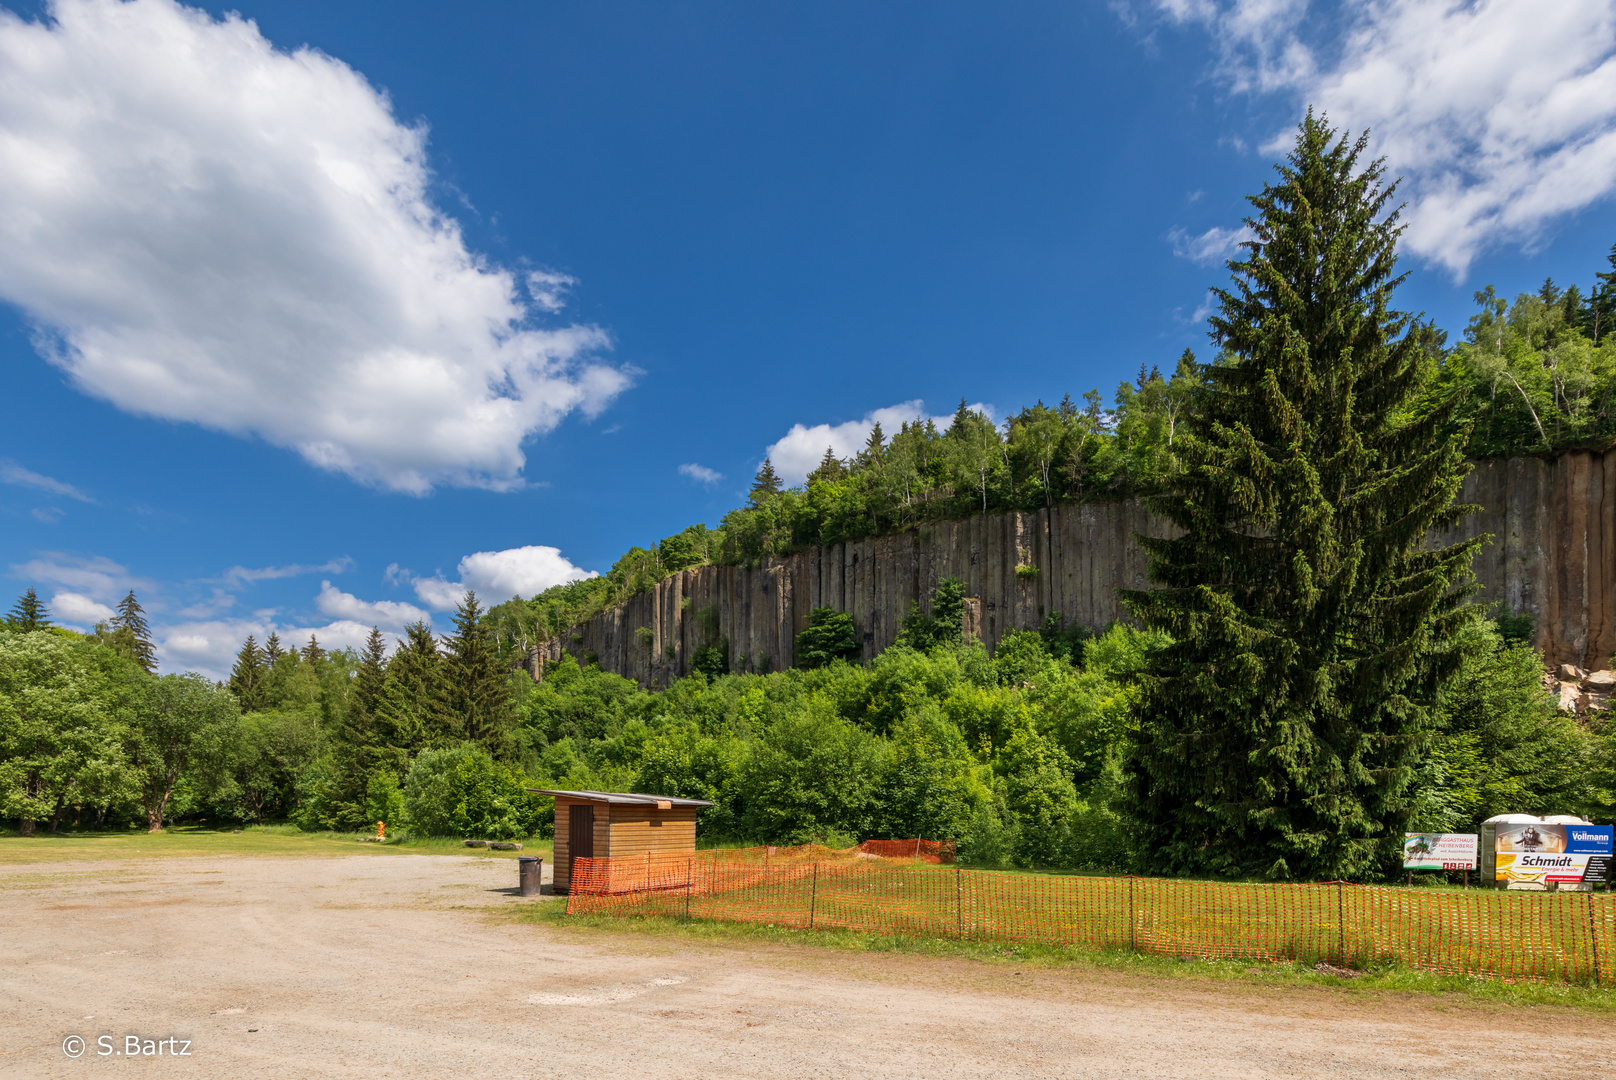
(830, 636)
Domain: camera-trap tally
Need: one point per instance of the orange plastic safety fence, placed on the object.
(1562, 937)
(916, 850)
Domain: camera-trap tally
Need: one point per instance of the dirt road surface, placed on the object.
(400, 966)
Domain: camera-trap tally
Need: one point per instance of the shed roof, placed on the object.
(626, 798)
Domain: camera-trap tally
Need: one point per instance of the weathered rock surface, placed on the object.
(1552, 556)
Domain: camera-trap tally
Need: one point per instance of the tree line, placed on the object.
(1307, 677)
(1536, 375)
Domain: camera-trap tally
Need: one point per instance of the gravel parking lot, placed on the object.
(402, 967)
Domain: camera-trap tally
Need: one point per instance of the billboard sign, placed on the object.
(1441, 851)
(1544, 855)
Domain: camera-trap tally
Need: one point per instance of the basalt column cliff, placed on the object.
(1553, 556)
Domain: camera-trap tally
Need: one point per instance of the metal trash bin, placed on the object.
(532, 871)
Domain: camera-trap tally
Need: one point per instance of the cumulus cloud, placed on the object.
(700, 473)
(98, 577)
(496, 576)
(209, 646)
(1501, 114)
(76, 609)
(384, 613)
(799, 452)
(12, 473)
(207, 229)
(1211, 247)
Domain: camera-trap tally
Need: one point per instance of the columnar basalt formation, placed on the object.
(1552, 556)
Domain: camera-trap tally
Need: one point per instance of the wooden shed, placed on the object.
(600, 824)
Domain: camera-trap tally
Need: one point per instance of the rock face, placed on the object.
(1553, 556)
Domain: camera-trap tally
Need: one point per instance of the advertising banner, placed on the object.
(1544, 855)
(1441, 851)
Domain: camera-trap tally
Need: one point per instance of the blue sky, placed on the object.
(304, 340)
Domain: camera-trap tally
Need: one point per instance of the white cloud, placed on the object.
(496, 576)
(216, 604)
(386, 613)
(238, 576)
(79, 610)
(12, 473)
(799, 452)
(50, 515)
(210, 646)
(206, 229)
(1501, 114)
(549, 289)
(98, 577)
(700, 473)
(1211, 247)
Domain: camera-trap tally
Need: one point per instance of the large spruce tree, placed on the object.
(476, 697)
(1311, 621)
(247, 677)
(358, 751)
(411, 712)
(135, 634)
(29, 613)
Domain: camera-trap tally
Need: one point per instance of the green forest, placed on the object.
(1304, 680)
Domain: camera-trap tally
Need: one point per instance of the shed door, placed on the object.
(580, 831)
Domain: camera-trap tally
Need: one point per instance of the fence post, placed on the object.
(1132, 945)
(1341, 921)
(959, 903)
(813, 897)
(1593, 935)
(690, 884)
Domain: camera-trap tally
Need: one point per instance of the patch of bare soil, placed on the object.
(364, 967)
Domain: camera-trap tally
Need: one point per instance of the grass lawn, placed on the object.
(1382, 981)
(196, 841)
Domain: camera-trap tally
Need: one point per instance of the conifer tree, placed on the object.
(29, 614)
(367, 691)
(1277, 736)
(131, 627)
(875, 448)
(411, 712)
(829, 469)
(1600, 313)
(476, 699)
(247, 677)
(960, 426)
(764, 484)
(273, 649)
(312, 653)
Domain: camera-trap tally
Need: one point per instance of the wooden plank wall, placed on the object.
(623, 830)
(561, 871)
(634, 832)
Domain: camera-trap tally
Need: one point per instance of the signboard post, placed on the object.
(1534, 855)
(1441, 851)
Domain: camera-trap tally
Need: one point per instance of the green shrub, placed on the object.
(712, 661)
(830, 636)
(464, 792)
(384, 801)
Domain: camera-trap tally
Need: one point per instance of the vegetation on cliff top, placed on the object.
(1532, 376)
